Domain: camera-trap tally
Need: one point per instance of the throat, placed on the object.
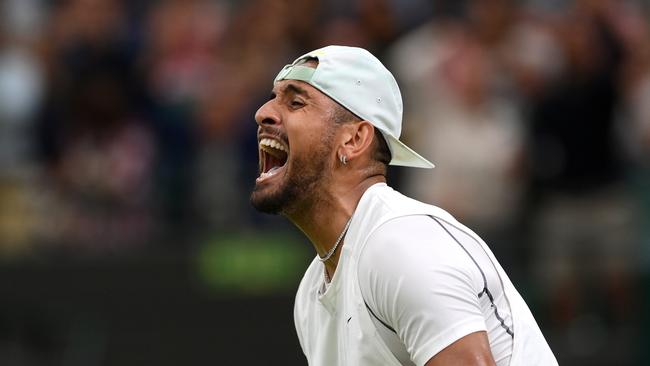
(329, 271)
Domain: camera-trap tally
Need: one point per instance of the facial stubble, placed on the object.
(304, 175)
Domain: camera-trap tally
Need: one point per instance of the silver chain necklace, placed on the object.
(338, 241)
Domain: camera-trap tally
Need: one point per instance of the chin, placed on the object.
(273, 198)
(265, 203)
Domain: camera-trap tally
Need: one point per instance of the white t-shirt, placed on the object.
(410, 281)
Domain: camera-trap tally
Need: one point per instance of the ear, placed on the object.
(357, 140)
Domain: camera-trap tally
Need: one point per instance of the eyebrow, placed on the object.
(295, 89)
(291, 89)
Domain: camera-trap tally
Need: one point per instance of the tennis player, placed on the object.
(395, 281)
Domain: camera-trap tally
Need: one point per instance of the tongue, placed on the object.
(272, 170)
(273, 162)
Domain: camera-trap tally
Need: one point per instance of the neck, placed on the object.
(324, 219)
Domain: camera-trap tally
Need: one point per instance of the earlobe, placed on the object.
(356, 140)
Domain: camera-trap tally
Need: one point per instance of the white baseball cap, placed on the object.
(358, 81)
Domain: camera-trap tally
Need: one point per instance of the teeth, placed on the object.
(272, 144)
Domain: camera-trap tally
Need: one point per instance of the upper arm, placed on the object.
(417, 279)
(471, 350)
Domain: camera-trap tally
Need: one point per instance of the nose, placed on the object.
(267, 115)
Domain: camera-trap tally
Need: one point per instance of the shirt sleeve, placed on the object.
(419, 280)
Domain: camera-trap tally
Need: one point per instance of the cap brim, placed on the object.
(403, 155)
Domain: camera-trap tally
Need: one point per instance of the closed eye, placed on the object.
(296, 104)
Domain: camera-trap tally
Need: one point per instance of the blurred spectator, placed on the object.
(181, 69)
(634, 115)
(584, 233)
(21, 88)
(370, 24)
(255, 45)
(457, 113)
(98, 152)
(487, 83)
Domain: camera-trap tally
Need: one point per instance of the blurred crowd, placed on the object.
(129, 124)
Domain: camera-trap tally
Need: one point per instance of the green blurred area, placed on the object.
(252, 264)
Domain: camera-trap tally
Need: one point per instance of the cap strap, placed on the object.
(296, 72)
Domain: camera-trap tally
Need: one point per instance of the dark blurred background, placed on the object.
(128, 150)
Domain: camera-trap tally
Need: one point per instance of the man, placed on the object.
(396, 281)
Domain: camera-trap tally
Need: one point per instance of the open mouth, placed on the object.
(273, 157)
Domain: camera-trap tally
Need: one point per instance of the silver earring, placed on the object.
(344, 159)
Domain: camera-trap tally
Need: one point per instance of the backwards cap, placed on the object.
(358, 81)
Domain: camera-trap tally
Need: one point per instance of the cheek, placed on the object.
(305, 140)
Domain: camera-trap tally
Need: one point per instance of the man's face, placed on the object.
(295, 138)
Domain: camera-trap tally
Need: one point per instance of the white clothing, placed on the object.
(413, 268)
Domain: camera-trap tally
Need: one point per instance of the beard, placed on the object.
(299, 185)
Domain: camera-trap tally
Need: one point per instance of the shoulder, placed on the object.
(412, 264)
(413, 244)
(381, 203)
(393, 226)
(401, 237)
